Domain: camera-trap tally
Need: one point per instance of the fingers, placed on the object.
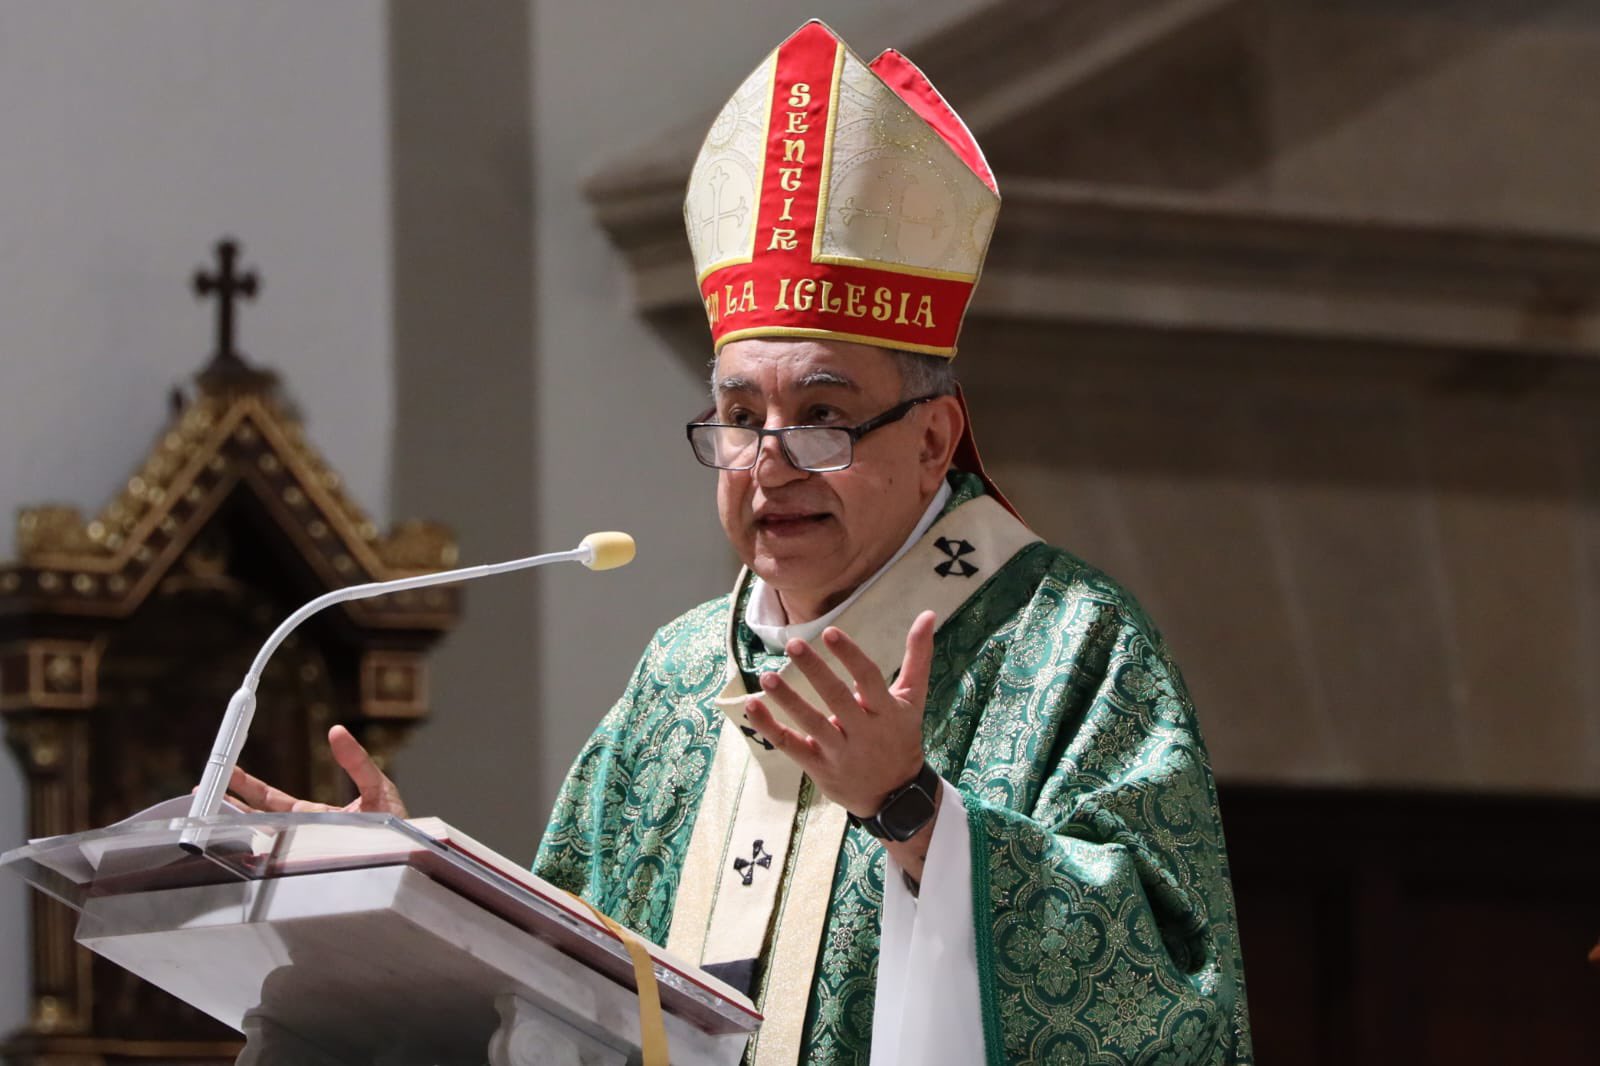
(255, 796)
(872, 693)
(354, 759)
(259, 796)
(807, 718)
(244, 807)
(799, 747)
(912, 683)
(377, 792)
(827, 683)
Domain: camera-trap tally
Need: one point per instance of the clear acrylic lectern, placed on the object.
(359, 940)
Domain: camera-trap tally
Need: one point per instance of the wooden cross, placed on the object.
(227, 286)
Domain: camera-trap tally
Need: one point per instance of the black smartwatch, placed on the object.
(906, 811)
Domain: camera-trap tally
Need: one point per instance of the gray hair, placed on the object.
(924, 375)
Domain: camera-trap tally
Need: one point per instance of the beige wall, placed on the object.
(1477, 112)
(1377, 565)
(462, 172)
(1368, 577)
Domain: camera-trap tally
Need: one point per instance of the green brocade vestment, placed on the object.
(1102, 907)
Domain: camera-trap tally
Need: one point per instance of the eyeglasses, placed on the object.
(816, 449)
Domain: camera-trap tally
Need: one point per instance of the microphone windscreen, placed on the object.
(607, 551)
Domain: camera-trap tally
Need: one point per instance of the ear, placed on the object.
(941, 430)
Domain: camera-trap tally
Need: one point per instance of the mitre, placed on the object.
(839, 199)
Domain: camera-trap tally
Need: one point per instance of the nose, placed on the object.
(772, 464)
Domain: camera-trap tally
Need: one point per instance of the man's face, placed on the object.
(815, 537)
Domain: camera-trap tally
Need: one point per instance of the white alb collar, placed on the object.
(763, 613)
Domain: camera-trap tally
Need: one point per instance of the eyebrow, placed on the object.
(828, 379)
(816, 379)
(723, 386)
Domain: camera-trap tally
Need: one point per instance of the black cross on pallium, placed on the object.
(955, 565)
(746, 868)
(757, 737)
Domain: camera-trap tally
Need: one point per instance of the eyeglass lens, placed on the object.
(815, 448)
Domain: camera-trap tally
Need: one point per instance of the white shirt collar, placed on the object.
(764, 614)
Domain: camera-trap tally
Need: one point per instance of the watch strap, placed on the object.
(927, 782)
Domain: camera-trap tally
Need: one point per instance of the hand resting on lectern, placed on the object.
(375, 793)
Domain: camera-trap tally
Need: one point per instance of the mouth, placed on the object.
(789, 523)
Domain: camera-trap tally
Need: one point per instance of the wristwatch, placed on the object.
(906, 811)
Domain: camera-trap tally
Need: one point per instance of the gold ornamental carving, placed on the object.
(48, 675)
(53, 529)
(419, 546)
(109, 565)
(393, 685)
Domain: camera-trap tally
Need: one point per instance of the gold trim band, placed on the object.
(832, 334)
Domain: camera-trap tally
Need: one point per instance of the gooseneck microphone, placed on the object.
(597, 551)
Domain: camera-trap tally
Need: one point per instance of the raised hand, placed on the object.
(374, 791)
(866, 741)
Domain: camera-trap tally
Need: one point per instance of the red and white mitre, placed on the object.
(839, 199)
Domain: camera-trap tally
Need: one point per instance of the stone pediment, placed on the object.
(1131, 140)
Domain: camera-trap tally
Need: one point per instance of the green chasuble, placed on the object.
(1102, 907)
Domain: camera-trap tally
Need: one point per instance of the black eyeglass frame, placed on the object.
(855, 433)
